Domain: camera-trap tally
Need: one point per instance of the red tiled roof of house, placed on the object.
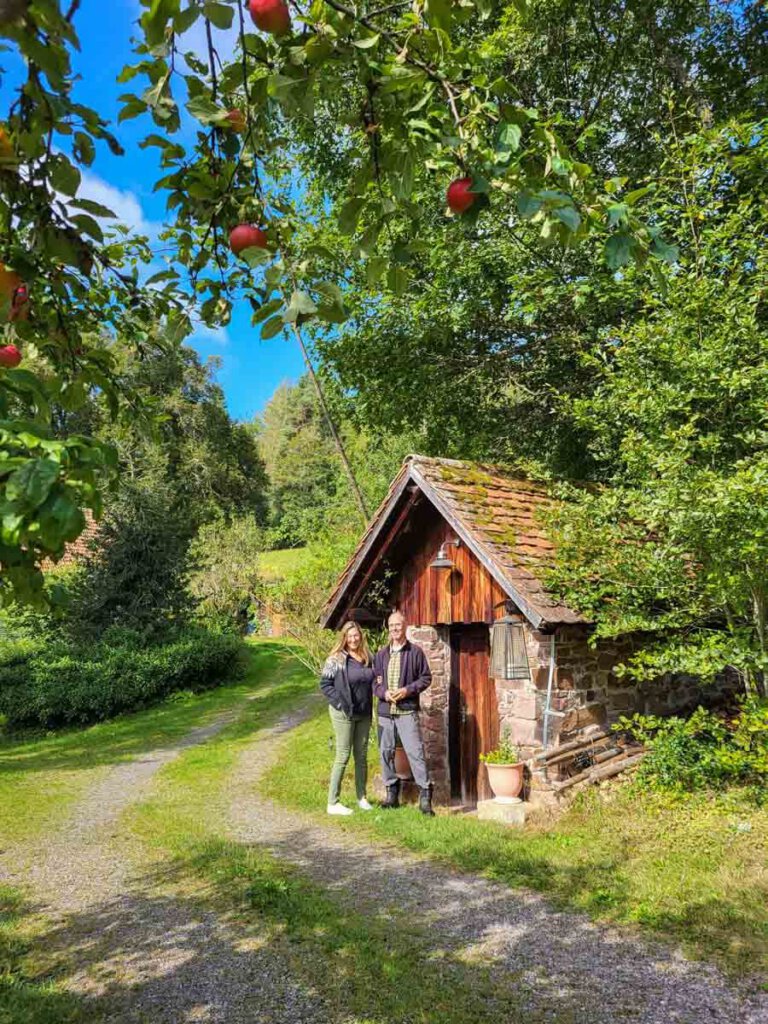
(76, 550)
(497, 514)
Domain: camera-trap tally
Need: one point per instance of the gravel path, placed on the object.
(143, 950)
(561, 961)
(126, 939)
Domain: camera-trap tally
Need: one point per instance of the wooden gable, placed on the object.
(468, 593)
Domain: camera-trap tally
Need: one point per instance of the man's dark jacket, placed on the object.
(415, 676)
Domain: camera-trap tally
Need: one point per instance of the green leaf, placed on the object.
(84, 149)
(155, 20)
(88, 226)
(220, 15)
(203, 109)
(265, 311)
(528, 205)
(374, 270)
(32, 483)
(618, 250)
(367, 43)
(162, 275)
(64, 176)
(397, 280)
(133, 107)
(255, 256)
(330, 290)
(272, 327)
(569, 216)
(93, 208)
(349, 215)
(618, 213)
(438, 13)
(508, 141)
(301, 305)
(664, 251)
(185, 19)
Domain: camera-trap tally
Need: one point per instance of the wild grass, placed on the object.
(42, 774)
(689, 869)
(26, 995)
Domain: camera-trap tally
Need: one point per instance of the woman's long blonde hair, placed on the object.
(340, 647)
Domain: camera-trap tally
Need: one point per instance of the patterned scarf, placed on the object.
(393, 680)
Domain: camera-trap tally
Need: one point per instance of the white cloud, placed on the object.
(204, 335)
(124, 203)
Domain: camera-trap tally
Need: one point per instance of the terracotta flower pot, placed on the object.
(506, 780)
(402, 767)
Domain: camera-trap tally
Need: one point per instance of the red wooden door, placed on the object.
(474, 716)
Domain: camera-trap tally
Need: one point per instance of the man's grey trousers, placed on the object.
(408, 729)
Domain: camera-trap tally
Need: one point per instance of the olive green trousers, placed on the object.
(351, 738)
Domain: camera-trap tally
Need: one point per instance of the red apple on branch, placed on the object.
(20, 304)
(9, 356)
(13, 294)
(271, 16)
(246, 236)
(460, 196)
(236, 120)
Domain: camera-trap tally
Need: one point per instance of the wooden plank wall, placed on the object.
(437, 597)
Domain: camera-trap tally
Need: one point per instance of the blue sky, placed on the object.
(251, 368)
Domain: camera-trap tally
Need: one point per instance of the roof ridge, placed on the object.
(499, 466)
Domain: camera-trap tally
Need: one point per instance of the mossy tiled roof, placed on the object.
(504, 514)
(497, 514)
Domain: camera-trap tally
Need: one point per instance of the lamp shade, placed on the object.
(442, 561)
(509, 659)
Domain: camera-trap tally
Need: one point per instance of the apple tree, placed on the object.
(70, 287)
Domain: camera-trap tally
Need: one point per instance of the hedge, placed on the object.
(44, 683)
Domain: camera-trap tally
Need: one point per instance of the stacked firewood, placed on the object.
(589, 760)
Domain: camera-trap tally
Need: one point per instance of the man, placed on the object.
(402, 673)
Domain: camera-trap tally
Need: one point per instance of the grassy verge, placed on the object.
(42, 774)
(693, 870)
(26, 997)
(365, 969)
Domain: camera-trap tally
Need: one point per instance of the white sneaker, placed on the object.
(364, 805)
(339, 809)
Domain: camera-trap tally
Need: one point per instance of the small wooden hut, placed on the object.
(461, 550)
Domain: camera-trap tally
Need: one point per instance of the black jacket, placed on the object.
(348, 686)
(415, 676)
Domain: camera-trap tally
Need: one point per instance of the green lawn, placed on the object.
(27, 994)
(693, 870)
(276, 565)
(41, 774)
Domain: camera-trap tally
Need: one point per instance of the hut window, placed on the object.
(509, 659)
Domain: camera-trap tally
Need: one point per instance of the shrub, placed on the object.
(225, 578)
(55, 683)
(704, 750)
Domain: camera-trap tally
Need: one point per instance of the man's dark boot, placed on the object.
(392, 798)
(425, 801)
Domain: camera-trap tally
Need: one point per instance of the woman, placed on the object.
(347, 682)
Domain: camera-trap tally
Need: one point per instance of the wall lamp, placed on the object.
(443, 561)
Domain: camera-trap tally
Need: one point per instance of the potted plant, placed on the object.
(505, 771)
